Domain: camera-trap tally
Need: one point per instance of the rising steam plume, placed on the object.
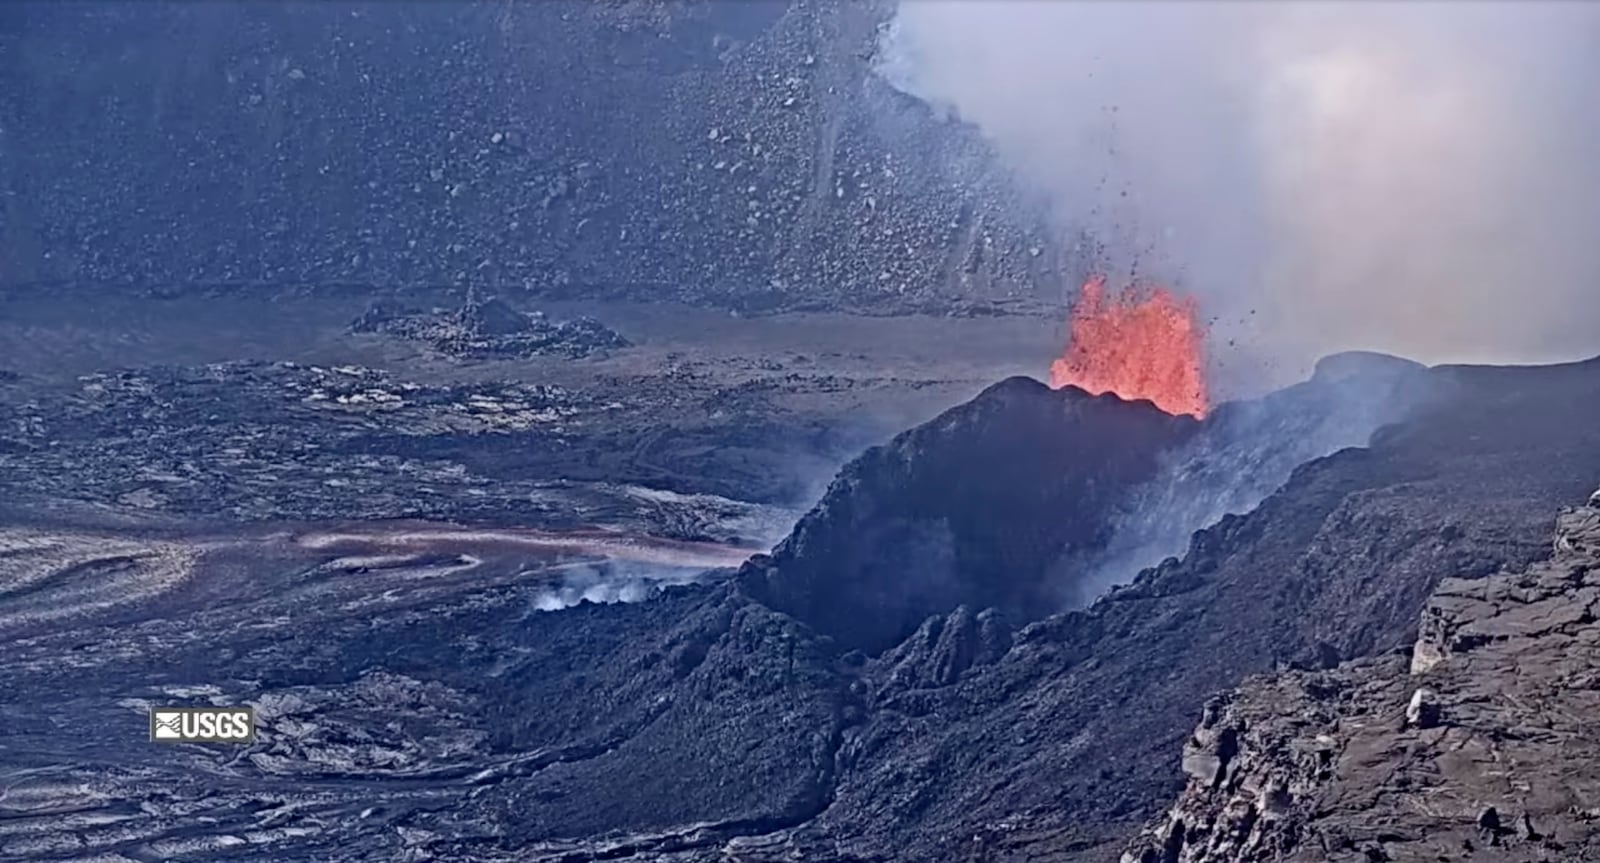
(1416, 178)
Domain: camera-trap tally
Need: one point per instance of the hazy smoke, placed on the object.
(1246, 451)
(612, 581)
(1417, 178)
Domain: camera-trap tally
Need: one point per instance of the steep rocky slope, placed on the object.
(737, 153)
(1481, 744)
(979, 507)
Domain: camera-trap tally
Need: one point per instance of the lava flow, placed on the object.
(1138, 345)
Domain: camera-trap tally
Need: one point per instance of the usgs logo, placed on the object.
(203, 724)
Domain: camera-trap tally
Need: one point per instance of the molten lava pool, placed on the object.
(1141, 343)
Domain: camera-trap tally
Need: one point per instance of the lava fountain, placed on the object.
(1138, 344)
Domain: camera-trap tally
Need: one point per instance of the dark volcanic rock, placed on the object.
(493, 317)
(727, 717)
(737, 152)
(1070, 740)
(1368, 762)
(975, 508)
(250, 442)
(943, 648)
(489, 328)
(732, 722)
(1030, 500)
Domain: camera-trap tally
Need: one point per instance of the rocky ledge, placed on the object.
(1481, 745)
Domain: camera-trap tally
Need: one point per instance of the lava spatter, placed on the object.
(1140, 343)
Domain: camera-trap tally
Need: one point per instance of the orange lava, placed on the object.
(1139, 345)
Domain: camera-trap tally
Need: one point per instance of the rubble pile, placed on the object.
(489, 329)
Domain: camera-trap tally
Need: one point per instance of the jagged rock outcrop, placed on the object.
(943, 648)
(1481, 746)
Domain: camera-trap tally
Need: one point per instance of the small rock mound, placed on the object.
(488, 329)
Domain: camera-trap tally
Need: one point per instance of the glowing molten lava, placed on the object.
(1139, 345)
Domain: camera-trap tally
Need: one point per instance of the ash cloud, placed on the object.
(1415, 178)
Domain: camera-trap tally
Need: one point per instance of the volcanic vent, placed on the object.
(1145, 342)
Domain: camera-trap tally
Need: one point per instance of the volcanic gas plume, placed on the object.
(1321, 176)
(1143, 343)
